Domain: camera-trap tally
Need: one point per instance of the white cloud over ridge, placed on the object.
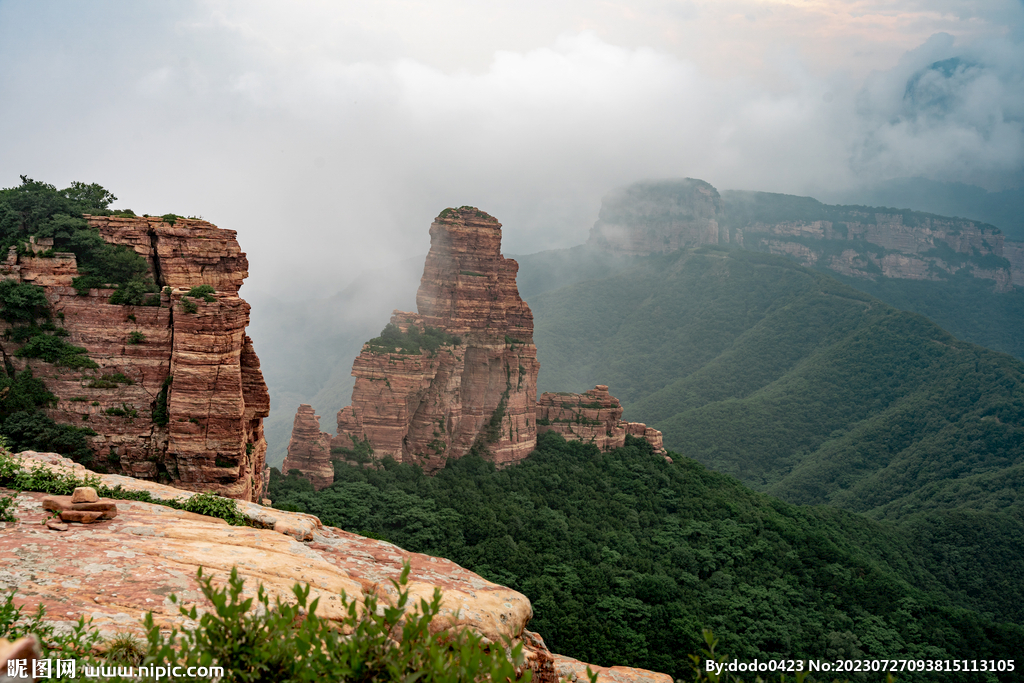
(329, 139)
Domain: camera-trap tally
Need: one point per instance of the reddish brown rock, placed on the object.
(201, 365)
(434, 405)
(662, 216)
(115, 572)
(84, 494)
(592, 417)
(309, 450)
(80, 516)
(106, 508)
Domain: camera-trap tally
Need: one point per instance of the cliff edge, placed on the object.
(178, 395)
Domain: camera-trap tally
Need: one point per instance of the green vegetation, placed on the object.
(361, 451)
(204, 292)
(53, 349)
(13, 475)
(256, 639)
(626, 558)
(161, 415)
(41, 210)
(124, 410)
(136, 337)
(794, 383)
(414, 341)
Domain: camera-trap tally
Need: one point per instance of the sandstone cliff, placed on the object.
(114, 571)
(858, 241)
(594, 416)
(309, 450)
(478, 385)
(178, 395)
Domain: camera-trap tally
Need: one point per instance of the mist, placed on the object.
(329, 135)
(330, 138)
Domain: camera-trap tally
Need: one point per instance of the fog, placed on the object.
(330, 134)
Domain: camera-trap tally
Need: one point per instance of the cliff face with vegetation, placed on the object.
(177, 394)
(857, 241)
(458, 375)
(594, 416)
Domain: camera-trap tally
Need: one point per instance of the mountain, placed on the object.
(793, 382)
(124, 341)
(626, 557)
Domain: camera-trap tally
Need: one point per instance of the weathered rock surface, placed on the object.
(114, 571)
(654, 217)
(479, 389)
(434, 405)
(200, 365)
(310, 449)
(594, 416)
(648, 218)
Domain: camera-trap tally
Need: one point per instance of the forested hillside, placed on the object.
(793, 382)
(626, 557)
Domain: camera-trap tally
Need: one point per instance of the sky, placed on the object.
(329, 134)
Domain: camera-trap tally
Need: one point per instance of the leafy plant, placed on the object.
(204, 292)
(6, 512)
(136, 337)
(57, 351)
(188, 305)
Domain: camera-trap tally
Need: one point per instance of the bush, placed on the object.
(57, 351)
(136, 337)
(290, 642)
(161, 416)
(189, 306)
(412, 341)
(22, 303)
(204, 292)
(38, 432)
(136, 293)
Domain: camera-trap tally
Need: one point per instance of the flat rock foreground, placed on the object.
(114, 571)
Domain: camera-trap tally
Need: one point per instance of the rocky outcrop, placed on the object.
(592, 417)
(858, 241)
(477, 386)
(459, 374)
(178, 395)
(659, 216)
(309, 450)
(113, 571)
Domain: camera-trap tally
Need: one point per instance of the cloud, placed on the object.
(330, 137)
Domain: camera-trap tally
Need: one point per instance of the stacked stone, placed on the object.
(84, 506)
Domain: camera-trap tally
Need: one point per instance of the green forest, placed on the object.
(794, 383)
(627, 557)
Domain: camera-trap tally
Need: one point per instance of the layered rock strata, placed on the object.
(473, 386)
(858, 241)
(113, 571)
(477, 387)
(198, 368)
(309, 450)
(594, 416)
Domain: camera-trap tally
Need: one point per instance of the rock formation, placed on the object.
(478, 385)
(592, 417)
(459, 373)
(309, 450)
(858, 241)
(179, 395)
(113, 571)
(652, 217)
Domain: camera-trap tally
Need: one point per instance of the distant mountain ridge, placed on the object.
(857, 241)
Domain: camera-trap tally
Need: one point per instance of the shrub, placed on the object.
(136, 337)
(257, 640)
(37, 431)
(57, 351)
(22, 303)
(135, 293)
(6, 505)
(160, 414)
(189, 306)
(204, 292)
